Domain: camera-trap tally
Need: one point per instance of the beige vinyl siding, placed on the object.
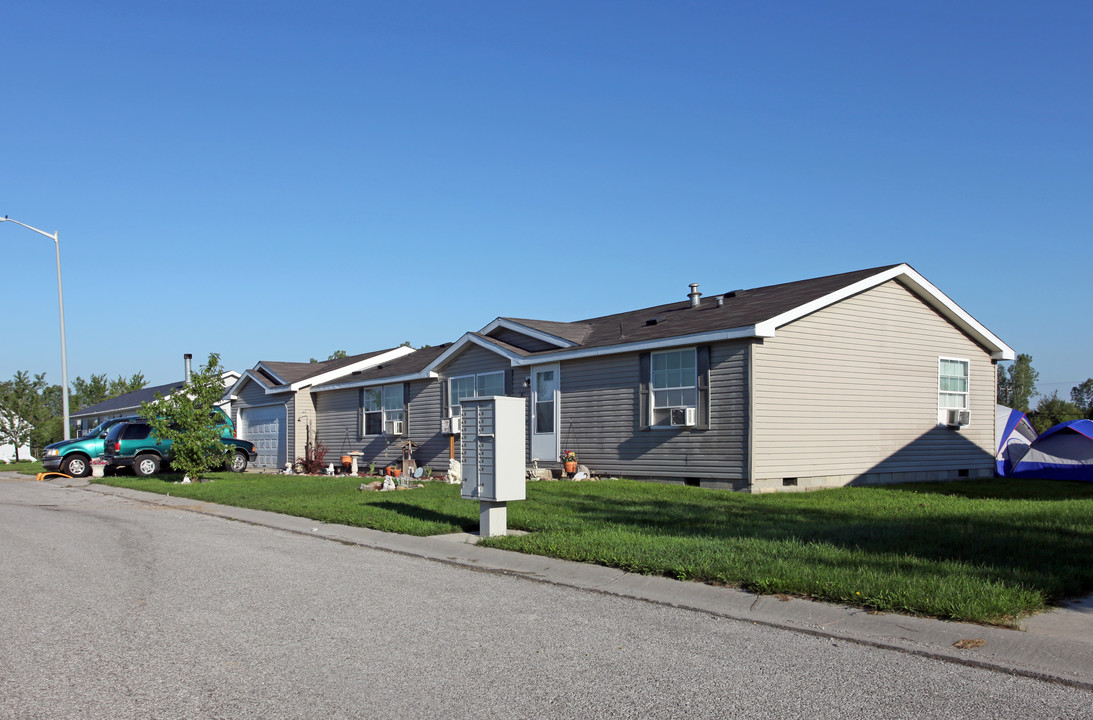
(850, 394)
(600, 421)
(337, 420)
(300, 418)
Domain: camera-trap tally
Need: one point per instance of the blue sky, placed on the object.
(276, 181)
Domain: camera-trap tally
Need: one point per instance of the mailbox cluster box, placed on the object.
(493, 448)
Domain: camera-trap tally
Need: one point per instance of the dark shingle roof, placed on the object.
(742, 308)
(128, 401)
(292, 372)
(408, 364)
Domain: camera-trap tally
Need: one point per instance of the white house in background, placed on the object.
(7, 453)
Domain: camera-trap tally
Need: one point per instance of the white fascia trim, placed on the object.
(530, 332)
(921, 286)
(375, 381)
(366, 364)
(233, 391)
(458, 345)
(679, 340)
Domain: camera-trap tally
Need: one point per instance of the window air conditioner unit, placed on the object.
(451, 426)
(959, 418)
(394, 427)
(683, 417)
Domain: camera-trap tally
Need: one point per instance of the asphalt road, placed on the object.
(111, 608)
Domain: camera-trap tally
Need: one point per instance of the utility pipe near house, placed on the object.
(61, 305)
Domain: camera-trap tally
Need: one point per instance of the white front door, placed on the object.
(546, 413)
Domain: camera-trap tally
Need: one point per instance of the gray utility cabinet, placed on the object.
(493, 448)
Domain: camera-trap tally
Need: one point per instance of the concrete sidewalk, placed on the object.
(1055, 646)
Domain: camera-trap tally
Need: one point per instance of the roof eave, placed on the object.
(922, 287)
(529, 331)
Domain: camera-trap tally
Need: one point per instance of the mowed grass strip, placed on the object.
(26, 467)
(990, 551)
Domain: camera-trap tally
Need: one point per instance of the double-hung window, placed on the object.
(674, 380)
(952, 384)
(469, 386)
(381, 405)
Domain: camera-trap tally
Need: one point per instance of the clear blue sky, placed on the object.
(276, 181)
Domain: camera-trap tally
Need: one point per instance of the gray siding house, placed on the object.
(273, 407)
(864, 377)
(375, 410)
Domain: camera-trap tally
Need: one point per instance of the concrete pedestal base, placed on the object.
(492, 518)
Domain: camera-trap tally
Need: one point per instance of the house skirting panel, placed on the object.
(767, 485)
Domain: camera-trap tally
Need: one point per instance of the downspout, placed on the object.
(751, 416)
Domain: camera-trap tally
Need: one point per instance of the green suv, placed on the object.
(73, 457)
(132, 444)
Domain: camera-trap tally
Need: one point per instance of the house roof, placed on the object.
(128, 401)
(755, 312)
(288, 373)
(280, 377)
(133, 400)
(411, 366)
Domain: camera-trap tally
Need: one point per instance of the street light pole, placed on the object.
(60, 304)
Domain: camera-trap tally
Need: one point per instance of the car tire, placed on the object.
(146, 465)
(238, 463)
(76, 466)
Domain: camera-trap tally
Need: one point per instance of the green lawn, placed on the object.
(23, 466)
(982, 551)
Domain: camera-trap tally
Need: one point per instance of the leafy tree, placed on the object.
(1052, 410)
(188, 419)
(1017, 383)
(336, 355)
(1082, 396)
(51, 427)
(93, 391)
(21, 408)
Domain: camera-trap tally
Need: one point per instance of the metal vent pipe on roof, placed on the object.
(187, 358)
(694, 295)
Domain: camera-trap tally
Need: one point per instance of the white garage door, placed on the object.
(265, 427)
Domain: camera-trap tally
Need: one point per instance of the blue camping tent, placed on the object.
(1013, 435)
(1062, 452)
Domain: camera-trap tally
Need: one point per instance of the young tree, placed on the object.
(1082, 396)
(21, 408)
(1017, 384)
(187, 418)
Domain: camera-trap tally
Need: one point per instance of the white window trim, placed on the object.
(477, 393)
(652, 391)
(943, 412)
(382, 411)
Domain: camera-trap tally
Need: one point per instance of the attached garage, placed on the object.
(273, 408)
(267, 429)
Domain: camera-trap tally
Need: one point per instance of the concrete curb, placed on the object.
(1056, 646)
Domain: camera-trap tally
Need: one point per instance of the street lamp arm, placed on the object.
(61, 307)
(51, 236)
